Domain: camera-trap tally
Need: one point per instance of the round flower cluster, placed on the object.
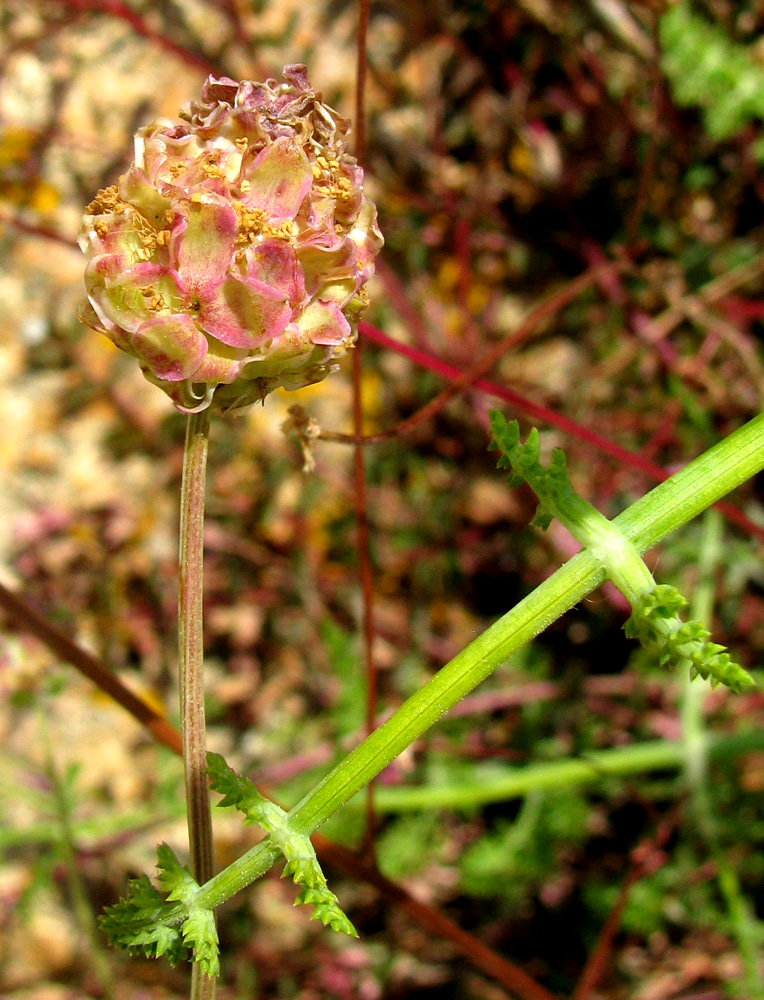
(232, 256)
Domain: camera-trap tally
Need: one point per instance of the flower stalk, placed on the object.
(191, 662)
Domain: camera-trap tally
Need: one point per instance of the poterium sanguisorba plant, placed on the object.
(231, 259)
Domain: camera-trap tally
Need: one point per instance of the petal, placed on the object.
(133, 294)
(202, 248)
(321, 265)
(244, 313)
(274, 263)
(323, 323)
(367, 237)
(111, 233)
(172, 347)
(100, 324)
(279, 176)
(135, 188)
(217, 368)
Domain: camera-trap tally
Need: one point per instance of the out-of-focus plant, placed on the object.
(707, 70)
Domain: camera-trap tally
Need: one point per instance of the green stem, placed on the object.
(696, 753)
(517, 782)
(667, 507)
(191, 662)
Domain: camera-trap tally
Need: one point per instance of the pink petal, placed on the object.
(273, 262)
(280, 176)
(320, 265)
(171, 346)
(203, 246)
(323, 323)
(244, 313)
(217, 370)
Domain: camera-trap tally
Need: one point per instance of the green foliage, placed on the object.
(349, 709)
(146, 923)
(669, 898)
(299, 854)
(238, 793)
(408, 843)
(707, 70)
(549, 484)
(656, 624)
(513, 859)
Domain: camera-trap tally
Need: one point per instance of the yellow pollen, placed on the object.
(211, 170)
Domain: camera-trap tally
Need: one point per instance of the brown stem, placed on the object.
(191, 661)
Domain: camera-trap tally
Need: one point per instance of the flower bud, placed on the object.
(232, 256)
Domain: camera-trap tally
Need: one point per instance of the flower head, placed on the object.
(231, 258)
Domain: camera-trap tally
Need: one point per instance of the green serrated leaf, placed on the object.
(144, 922)
(656, 624)
(175, 880)
(239, 793)
(201, 935)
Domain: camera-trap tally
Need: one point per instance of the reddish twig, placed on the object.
(91, 667)
(509, 975)
(359, 475)
(715, 289)
(647, 858)
(36, 229)
(470, 377)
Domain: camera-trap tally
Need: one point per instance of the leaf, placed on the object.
(655, 622)
(175, 879)
(238, 792)
(299, 854)
(143, 922)
(201, 934)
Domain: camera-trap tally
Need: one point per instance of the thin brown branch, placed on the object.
(121, 11)
(647, 857)
(506, 973)
(91, 667)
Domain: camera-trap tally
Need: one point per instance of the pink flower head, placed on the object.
(231, 258)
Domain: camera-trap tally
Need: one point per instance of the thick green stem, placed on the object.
(191, 657)
(667, 507)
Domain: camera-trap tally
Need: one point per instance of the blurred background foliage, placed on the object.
(511, 146)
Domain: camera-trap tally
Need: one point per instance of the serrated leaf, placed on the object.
(175, 880)
(656, 624)
(143, 921)
(239, 793)
(201, 935)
